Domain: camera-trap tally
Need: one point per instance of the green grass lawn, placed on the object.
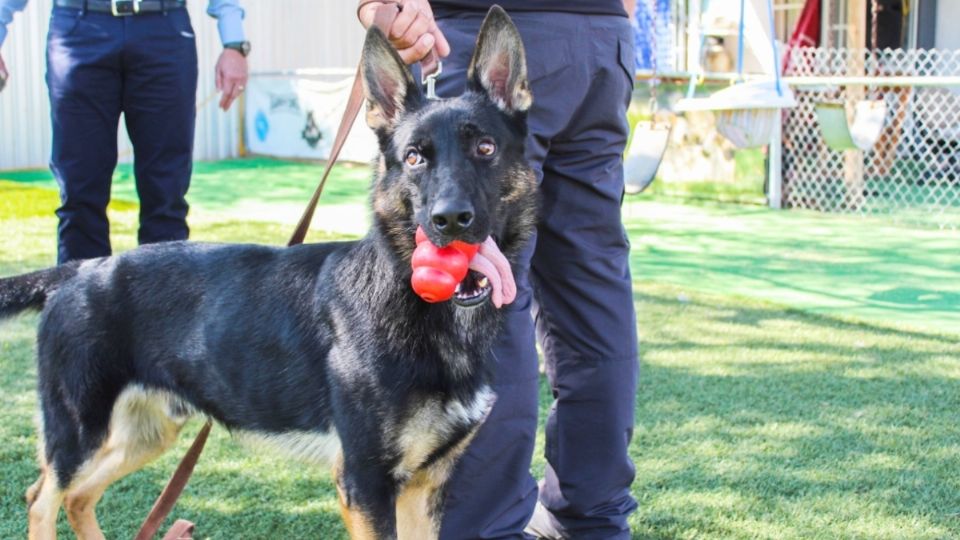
(799, 375)
(852, 267)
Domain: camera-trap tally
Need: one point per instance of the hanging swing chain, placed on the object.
(654, 81)
(773, 44)
(874, 53)
(740, 32)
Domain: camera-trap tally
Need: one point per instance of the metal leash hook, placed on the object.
(430, 81)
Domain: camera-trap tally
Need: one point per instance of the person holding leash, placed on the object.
(138, 57)
(577, 285)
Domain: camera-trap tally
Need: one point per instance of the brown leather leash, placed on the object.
(168, 497)
(183, 529)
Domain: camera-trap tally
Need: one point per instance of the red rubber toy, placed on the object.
(438, 270)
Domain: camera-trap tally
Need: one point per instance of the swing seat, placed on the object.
(747, 112)
(862, 133)
(649, 143)
(747, 128)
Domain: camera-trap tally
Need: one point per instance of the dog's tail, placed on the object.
(30, 291)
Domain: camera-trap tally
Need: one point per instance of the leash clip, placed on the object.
(430, 81)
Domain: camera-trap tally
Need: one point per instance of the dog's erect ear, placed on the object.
(388, 85)
(499, 65)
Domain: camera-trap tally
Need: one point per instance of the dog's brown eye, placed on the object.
(413, 158)
(486, 148)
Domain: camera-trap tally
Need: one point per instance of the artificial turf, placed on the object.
(811, 417)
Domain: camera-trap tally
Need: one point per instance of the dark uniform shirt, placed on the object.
(586, 7)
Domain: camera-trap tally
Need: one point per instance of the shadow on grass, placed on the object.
(752, 422)
(756, 422)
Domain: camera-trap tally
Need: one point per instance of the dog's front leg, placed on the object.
(367, 499)
(420, 499)
(419, 506)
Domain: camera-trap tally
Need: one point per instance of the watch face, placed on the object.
(243, 47)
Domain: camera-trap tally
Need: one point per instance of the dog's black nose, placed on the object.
(451, 216)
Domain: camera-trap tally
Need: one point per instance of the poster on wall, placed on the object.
(293, 117)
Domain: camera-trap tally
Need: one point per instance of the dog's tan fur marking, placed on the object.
(43, 506)
(358, 525)
(143, 424)
(419, 505)
(432, 423)
(419, 436)
(416, 506)
(385, 82)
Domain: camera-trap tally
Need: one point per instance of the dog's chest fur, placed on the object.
(425, 429)
(433, 426)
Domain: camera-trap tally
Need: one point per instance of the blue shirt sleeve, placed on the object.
(229, 17)
(7, 9)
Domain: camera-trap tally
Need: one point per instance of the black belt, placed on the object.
(121, 8)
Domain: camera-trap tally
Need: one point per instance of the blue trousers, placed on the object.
(575, 294)
(98, 66)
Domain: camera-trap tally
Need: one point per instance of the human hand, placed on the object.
(414, 32)
(4, 74)
(232, 73)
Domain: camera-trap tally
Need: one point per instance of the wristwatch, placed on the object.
(242, 47)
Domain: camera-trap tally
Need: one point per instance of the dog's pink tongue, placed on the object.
(490, 262)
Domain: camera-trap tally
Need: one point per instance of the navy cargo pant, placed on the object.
(98, 66)
(578, 291)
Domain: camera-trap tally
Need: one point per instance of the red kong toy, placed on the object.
(438, 270)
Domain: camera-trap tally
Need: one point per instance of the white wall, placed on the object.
(286, 34)
(723, 17)
(948, 14)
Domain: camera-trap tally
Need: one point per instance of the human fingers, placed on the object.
(418, 27)
(233, 90)
(418, 50)
(366, 13)
(440, 41)
(233, 74)
(409, 10)
(218, 70)
(442, 46)
(491, 251)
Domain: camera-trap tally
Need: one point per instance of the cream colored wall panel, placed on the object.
(286, 35)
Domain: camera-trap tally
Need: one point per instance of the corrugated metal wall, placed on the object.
(286, 34)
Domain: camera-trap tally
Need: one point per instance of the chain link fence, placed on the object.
(912, 172)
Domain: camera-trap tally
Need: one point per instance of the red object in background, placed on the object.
(436, 270)
(807, 31)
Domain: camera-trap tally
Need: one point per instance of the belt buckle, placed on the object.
(124, 8)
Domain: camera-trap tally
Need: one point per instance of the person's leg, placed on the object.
(159, 103)
(585, 317)
(491, 493)
(84, 82)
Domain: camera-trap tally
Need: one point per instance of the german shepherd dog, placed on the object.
(321, 349)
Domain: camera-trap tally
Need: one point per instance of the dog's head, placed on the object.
(455, 167)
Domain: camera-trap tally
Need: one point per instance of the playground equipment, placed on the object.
(861, 132)
(747, 112)
(650, 138)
